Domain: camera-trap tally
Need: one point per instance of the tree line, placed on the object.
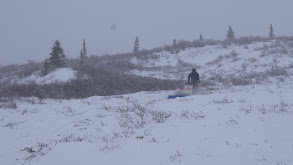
(57, 57)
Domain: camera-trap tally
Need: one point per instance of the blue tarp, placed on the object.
(174, 96)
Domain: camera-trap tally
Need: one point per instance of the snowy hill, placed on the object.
(258, 57)
(58, 75)
(246, 118)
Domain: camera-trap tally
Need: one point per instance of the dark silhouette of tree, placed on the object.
(230, 37)
(57, 56)
(136, 47)
(46, 67)
(271, 35)
(57, 59)
(174, 42)
(82, 58)
(83, 53)
(230, 34)
(200, 38)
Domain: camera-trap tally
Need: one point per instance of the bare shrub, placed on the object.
(126, 120)
(243, 40)
(11, 125)
(244, 66)
(246, 110)
(235, 59)
(245, 47)
(274, 49)
(6, 102)
(277, 50)
(281, 162)
(282, 107)
(175, 157)
(262, 109)
(155, 56)
(70, 138)
(108, 107)
(39, 150)
(160, 117)
(142, 113)
(242, 101)
(240, 81)
(134, 117)
(290, 44)
(25, 111)
(216, 61)
(232, 121)
(109, 147)
(252, 60)
(263, 54)
(232, 54)
(66, 110)
(224, 100)
(99, 82)
(186, 114)
(108, 138)
(275, 70)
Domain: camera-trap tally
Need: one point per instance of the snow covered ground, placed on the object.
(242, 125)
(251, 125)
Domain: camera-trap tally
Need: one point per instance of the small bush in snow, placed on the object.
(132, 120)
(242, 101)
(186, 114)
(12, 124)
(39, 150)
(109, 147)
(176, 157)
(160, 117)
(252, 60)
(7, 103)
(246, 110)
(66, 111)
(215, 62)
(275, 70)
(282, 107)
(25, 111)
(240, 81)
(224, 100)
(262, 109)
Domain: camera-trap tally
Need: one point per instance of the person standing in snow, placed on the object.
(193, 77)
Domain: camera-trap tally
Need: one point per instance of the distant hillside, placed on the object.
(247, 61)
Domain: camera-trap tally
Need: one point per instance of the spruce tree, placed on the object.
(230, 35)
(46, 67)
(136, 47)
(271, 35)
(84, 48)
(174, 42)
(82, 60)
(57, 56)
(200, 38)
(56, 60)
(83, 53)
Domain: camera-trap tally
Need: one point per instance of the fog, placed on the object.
(30, 27)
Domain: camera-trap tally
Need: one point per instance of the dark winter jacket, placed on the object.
(193, 76)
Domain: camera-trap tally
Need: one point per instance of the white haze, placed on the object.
(29, 28)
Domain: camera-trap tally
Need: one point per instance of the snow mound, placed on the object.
(58, 75)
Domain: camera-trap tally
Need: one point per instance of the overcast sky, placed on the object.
(29, 28)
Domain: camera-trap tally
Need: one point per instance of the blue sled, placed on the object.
(174, 96)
